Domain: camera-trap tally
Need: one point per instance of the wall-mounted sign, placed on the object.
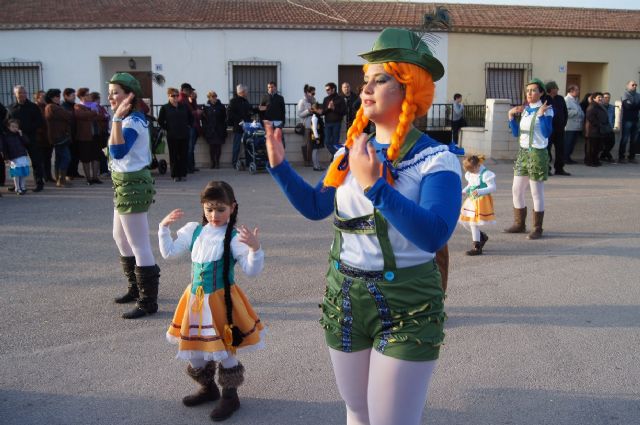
(158, 67)
(562, 69)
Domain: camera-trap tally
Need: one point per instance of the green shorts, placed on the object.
(533, 163)
(132, 192)
(400, 313)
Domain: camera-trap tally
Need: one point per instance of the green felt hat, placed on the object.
(539, 82)
(127, 80)
(400, 45)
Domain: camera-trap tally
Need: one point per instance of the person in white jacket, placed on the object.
(575, 122)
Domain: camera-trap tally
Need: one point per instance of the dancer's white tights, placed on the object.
(227, 363)
(520, 188)
(381, 390)
(475, 232)
(131, 233)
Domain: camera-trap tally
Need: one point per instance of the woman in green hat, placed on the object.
(532, 163)
(395, 198)
(129, 157)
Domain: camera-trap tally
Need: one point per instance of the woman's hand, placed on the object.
(124, 108)
(515, 110)
(172, 217)
(363, 162)
(275, 150)
(249, 237)
(543, 108)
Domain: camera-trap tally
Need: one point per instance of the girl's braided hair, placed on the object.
(419, 90)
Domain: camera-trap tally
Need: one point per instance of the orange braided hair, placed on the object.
(419, 91)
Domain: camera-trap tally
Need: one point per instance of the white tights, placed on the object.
(227, 363)
(519, 189)
(131, 233)
(381, 390)
(475, 232)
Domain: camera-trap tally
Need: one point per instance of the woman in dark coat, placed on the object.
(596, 129)
(214, 125)
(176, 119)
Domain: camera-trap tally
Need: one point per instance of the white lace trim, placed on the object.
(217, 355)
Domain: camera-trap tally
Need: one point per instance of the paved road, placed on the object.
(539, 332)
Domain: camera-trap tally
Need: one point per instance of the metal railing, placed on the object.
(438, 119)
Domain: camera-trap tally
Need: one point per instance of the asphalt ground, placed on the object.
(539, 332)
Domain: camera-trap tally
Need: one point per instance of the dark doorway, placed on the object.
(144, 77)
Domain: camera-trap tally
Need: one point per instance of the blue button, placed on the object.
(336, 264)
(389, 276)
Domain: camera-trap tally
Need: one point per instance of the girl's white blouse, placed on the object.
(209, 247)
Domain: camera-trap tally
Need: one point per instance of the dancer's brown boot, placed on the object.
(209, 391)
(538, 216)
(229, 379)
(148, 279)
(476, 250)
(128, 267)
(519, 217)
(483, 239)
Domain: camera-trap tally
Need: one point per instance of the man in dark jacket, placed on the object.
(333, 109)
(239, 111)
(560, 117)
(30, 117)
(630, 115)
(3, 116)
(69, 103)
(176, 119)
(350, 101)
(272, 107)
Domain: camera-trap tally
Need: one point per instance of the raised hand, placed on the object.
(249, 237)
(275, 150)
(543, 108)
(363, 162)
(124, 108)
(172, 217)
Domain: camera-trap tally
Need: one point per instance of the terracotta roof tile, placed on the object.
(313, 14)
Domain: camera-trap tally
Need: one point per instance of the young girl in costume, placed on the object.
(477, 209)
(129, 157)
(14, 148)
(214, 318)
(395, 200)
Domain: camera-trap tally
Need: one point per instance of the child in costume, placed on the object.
(15, 152)
(214, 318)
(394, 197)
(477, 209)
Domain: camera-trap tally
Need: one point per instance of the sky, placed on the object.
(600, 4)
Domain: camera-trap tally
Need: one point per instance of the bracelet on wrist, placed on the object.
(117, 119)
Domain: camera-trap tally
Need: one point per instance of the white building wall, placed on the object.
(72, 58)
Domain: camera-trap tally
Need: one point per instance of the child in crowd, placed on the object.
(317, 136)
(477, 209)
(214, 318)
(14, 149)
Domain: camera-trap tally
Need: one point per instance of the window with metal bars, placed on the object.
(27, 74)
(254, 75)
(506, 80)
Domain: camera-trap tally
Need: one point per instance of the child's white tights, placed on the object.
(381, 390)
(519, 189)
(131, 233)
(20, 182)
(475, 232)
(227, 363)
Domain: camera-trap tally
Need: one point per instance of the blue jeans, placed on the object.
(237, 142)
(63, 157)
(332, 136)
(569, 144)
(191, 161)
(629, 136)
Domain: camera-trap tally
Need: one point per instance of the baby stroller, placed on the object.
(255, 148)
(157, 136)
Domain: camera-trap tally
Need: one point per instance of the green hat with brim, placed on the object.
(401, 45)
(539, 82)
(127, 80)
